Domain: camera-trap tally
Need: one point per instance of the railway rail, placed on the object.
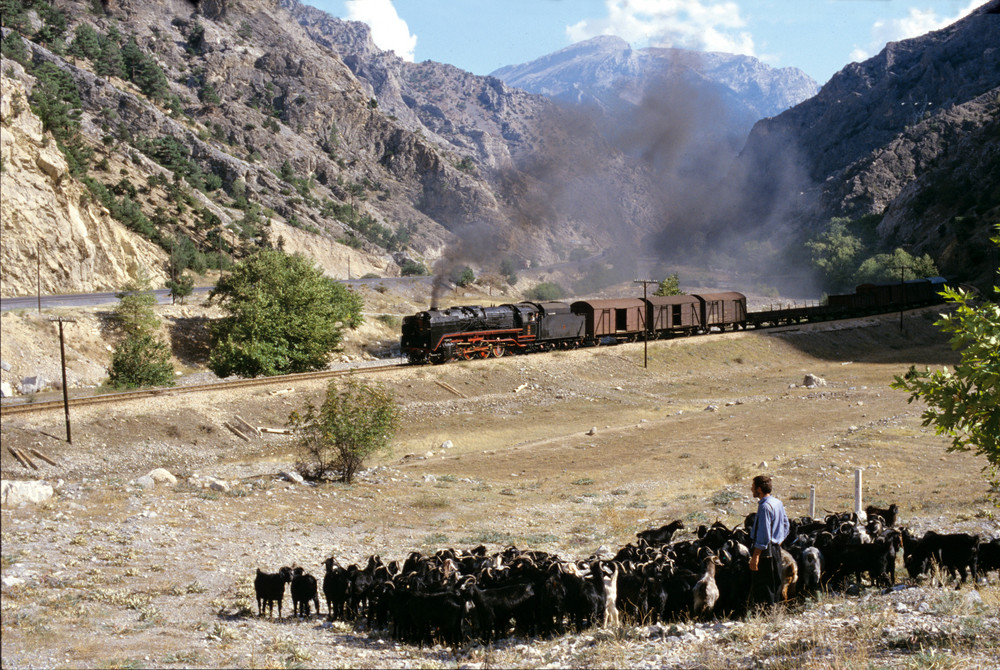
(28, 407)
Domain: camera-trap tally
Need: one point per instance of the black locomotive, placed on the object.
(467, 332)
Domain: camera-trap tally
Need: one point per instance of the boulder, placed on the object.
(217, 484)
(811, 381)
(16, 492)
(145, 482)
(162, 476)
(33, 384)
(6, 391)
(292, 476)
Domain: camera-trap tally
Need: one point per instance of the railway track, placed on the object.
(109, 398)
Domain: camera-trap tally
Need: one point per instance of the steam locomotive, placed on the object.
(473, 331)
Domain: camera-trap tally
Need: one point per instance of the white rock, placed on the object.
(447, 444)
(592, 431)
(16, 492)
(162, 476)
(5, 390)
(812, 381)
(146, 482)
(292, 476)
(217, 484)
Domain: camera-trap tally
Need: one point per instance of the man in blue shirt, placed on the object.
(770, 529)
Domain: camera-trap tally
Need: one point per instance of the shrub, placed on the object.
(354, 422)
(412, 268)
(546, 291)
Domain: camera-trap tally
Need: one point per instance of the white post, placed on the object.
(862, 517)
(812, 502)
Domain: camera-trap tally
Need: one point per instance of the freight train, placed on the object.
(473, 331)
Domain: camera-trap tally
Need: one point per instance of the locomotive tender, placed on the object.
(472, 331)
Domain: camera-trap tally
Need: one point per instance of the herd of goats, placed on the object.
(455, 595)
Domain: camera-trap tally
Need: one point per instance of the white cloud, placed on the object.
(389, 32)
(917, 22)
(703, 25)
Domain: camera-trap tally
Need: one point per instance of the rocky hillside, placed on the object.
(606, 72)
(206, 130)
(218, 127)
(54, 238)
(911, 135)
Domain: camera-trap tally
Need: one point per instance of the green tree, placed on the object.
(509, 270)
(669, 286)
(110, 62)
(86, 43)
(411, 268)
(139, 358)
(284, 316)
(181, 287)
(835, 253)
(462, 276)
(964, 403)
(892, 267)
(355, 421)
(547, 290)
(144, 71)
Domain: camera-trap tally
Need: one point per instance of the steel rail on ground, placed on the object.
(108, 398)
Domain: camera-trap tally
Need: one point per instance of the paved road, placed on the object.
(163, 295)
(82, 299)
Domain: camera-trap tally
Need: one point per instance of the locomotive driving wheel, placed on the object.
(497, 350)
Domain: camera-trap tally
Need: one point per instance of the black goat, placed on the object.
(270, 587)
(989, 556)
(336, 588)
(494, 608)
(662, 535)
(303, 591)
(955, 552)
(888, 515)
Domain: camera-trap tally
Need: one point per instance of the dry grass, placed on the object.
(523, 472)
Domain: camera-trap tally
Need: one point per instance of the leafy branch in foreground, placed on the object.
(964, 403)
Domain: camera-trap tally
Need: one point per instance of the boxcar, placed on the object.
(674, 314)
(723, 310)
(622, 319)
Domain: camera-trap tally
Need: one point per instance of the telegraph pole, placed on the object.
(65, 388)
(645, 318)
(902, 293)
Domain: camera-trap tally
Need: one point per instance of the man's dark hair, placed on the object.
(762, 482)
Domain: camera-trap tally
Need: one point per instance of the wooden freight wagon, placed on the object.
(725, 311)
(622, 319)
(674, 314)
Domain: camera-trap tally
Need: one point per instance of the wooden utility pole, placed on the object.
(65, 388)
(645, 319)
(902, 292)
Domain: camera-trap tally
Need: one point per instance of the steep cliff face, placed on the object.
(910, 134)
(47, 214)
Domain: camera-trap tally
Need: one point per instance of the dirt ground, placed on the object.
(566, 452)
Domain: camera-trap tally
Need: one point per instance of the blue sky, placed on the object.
(817, 36)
